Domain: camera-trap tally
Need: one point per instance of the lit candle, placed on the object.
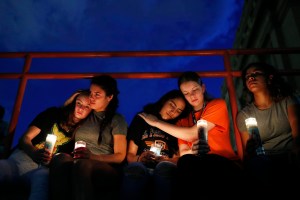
(79, 144)
(202, 129)
(156, 149)
(253, 131)
(251, 122)
(50, 142)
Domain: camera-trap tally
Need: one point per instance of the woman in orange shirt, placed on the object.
(210, 163)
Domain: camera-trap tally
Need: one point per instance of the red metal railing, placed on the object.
(227, 73)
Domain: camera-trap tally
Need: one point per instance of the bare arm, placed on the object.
(38, 155)
(189, 134)
(25, 141)
(132, 152)
(294, 123)
(120, 146)
(184, 149)
(294, 120)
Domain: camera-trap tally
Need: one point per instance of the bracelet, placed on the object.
(137, 160)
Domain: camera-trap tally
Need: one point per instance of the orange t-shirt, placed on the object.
(218, 137)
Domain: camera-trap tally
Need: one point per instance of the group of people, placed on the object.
(159, 155)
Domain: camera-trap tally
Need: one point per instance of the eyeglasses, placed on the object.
(254, 75)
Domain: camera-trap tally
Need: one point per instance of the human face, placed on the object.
(255, 80)
(172, 108)
(82, 107)
(194, 93)
(98, 98)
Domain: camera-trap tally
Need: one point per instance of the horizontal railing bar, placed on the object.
(127, 75)
(109, 54)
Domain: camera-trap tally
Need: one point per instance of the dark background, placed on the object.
(132, 25)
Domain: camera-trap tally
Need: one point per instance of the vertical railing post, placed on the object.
(18, 104)
(233, 103)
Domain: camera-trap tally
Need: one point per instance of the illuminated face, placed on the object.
(98, 98)
(172, 108)
(82, 107)
(255, 80)
(194, 93)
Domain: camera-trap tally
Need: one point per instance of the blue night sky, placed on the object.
(106, 25)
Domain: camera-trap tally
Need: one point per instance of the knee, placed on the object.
(41, 172)
(61, 158)
(83, 165)
(40, 177)
(136, 169)
(186, 159)
(8, 170)
(165, 168)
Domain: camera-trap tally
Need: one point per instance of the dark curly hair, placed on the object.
(278, 87)
(154, 108)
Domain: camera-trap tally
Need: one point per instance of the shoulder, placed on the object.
(291, 100)
(119, 118)
(245, 112)
(51, 111)
(217, 104)
(137, 118)
(47, 116)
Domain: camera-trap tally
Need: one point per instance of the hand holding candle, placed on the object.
(79, 149)
(50, 142)
(156, 148)
(202, 130)
(48, 148)
(201, 147)
(253, 131)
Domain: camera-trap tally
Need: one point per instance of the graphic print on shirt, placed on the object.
(156, 137)
(62, 139)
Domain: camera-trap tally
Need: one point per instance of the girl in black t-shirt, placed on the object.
(152, 153)
(29, 162)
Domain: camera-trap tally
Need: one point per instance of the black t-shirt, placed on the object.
(49, 123)
(145, 135)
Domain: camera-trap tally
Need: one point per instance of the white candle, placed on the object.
(202, 129)
(79, 144)
(253, 131)
(156, 149)
(50, 142)
(250, 122)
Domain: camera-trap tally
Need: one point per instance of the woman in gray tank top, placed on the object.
(273, 104)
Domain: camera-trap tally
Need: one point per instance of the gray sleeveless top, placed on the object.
(273, 124)
(89, 132)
